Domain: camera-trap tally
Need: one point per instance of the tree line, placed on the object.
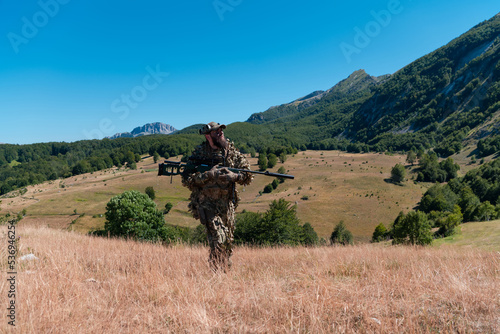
(22, 165)
(473, 197)
(134, 215)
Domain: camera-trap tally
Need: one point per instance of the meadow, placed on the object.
(329, 186)
(84, 284)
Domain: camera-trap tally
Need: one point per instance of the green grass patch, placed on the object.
(14, 163)
(484, 235)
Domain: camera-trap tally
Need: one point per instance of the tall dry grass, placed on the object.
(84, 284)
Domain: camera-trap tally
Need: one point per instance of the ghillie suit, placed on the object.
(214, 197)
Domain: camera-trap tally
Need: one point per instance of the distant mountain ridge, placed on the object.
(146, 129)
(356, 82)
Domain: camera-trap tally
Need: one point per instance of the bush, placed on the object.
(262, 162)
(413, 229)
(309, 235)
(282, 157)
(341, 235)
(268, 188)
(438, 198)
(279, 225)
(411, 157)
(448, 224)
(168, 207)
(199, 235)
(484, 212)
(150, 192)
(133, 214)
(272, 160)
(281, 170)
(380, 233)
(398, 173)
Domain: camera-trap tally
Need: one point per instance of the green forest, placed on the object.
(473, 197)
(22, 165)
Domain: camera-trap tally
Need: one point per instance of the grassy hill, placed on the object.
(484, 235)
(329, 186)
(82, 284)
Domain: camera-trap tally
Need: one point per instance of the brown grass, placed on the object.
(84, 284)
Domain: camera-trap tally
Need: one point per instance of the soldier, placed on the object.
(214, 197)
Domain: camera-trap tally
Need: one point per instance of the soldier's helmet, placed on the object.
(212, 126)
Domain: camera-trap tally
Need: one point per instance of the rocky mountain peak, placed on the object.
(147, 129)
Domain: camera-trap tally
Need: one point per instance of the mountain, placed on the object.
(449, 96)
(356, 82)
(147, 129)
(287, 108)
(445, 100)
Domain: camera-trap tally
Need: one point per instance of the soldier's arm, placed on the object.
(242, 163)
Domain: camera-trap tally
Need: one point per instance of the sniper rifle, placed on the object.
(171, 168)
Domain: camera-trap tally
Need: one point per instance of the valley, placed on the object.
(329, 186)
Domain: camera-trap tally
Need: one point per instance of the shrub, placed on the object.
(413, 229)
(268, 188)
(279, 225)
(448, 224)
(282, 157)
(199, 235)
(262, 162)
(341, 235)
(281, 170)
(133, 214)
(272, 160)
(150, 192)
(168, 207)
(309, 235)
(411, 157)
(484, 212)
(398, 173)
(380, 233)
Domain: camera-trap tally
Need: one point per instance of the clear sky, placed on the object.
(74, 69)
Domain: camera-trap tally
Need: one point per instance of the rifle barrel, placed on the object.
(267, 173)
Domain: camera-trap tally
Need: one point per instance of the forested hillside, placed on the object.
(22, 165)
(441, 101)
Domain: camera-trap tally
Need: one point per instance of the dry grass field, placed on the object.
(82, 284)
(328, 187)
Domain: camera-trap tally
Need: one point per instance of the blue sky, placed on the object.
(73, 69)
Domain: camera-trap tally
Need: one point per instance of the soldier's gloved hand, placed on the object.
(212, 173)
(225, 175)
